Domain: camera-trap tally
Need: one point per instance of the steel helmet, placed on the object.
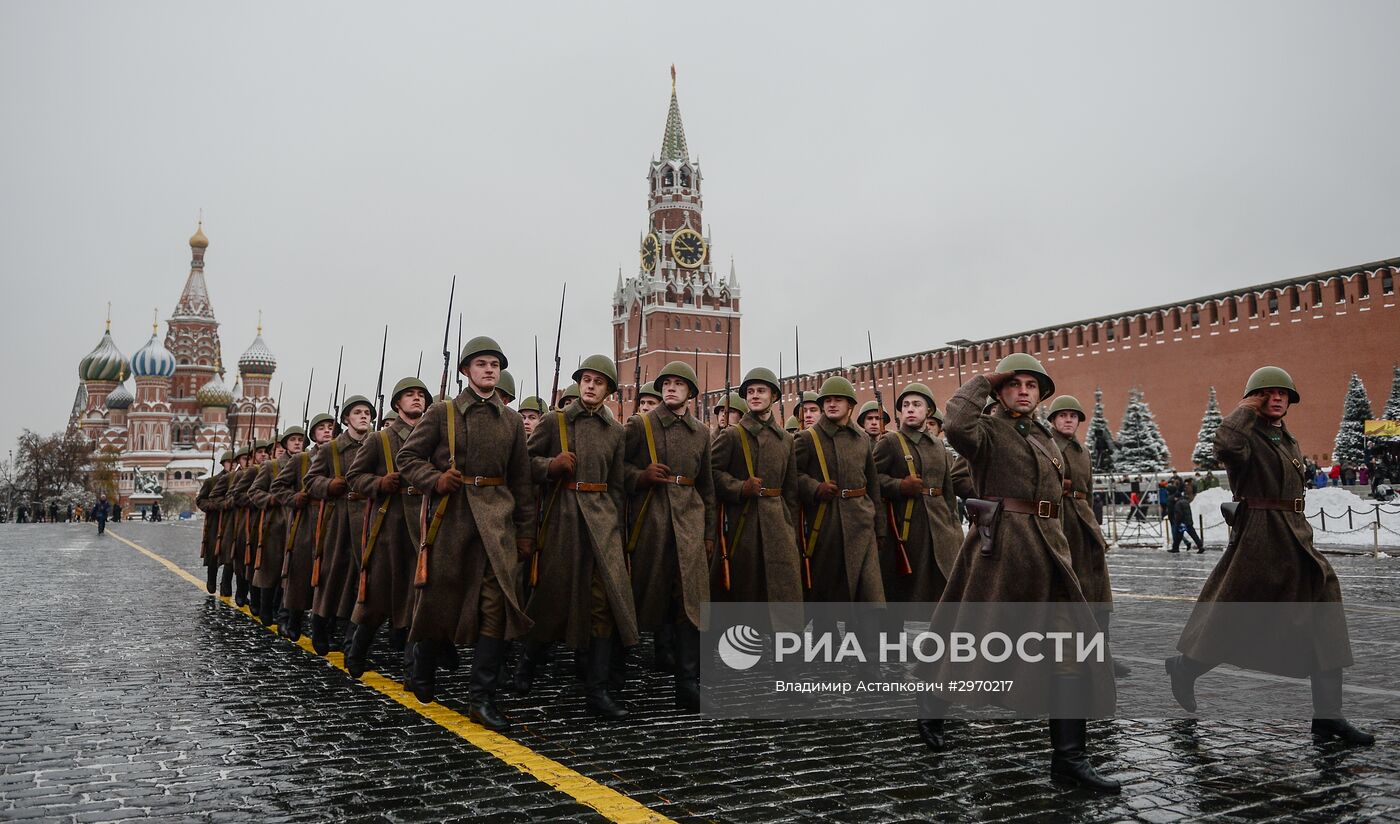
(1271, 377)
(1021, 362)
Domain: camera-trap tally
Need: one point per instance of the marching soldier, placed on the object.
(232, 521)
(647, 398)
(307, 519)
(272, 534)
(570, 395)
(583, 595)
(844, 511)
(869, 422)
(262, 455)
(470, 451)
(336, 562)
(208, 500)
(671, 537)
(810, 410)
(728, 411)
(505, 387)
(916, 481)
(238, 496)
(1271, 559)
(791, 426)
(384, 590)
(1018, 554)
(1087, 547)
(531, 409)
(755, 470)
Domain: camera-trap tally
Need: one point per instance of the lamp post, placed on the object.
(958, 345)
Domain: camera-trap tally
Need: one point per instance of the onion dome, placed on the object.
(105, 362)
(198, 240)
(214, 393)
(153, 360)
(120, 398)
(258, 359)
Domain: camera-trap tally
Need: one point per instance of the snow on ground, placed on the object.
(1332, 500)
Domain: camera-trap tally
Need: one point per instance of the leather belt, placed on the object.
(1021, 506)
(1280, 504)
(765, 492)
(414, 491)
(354, 496)
(1078, 496)
(482, 480)
(680, 480)
(934, 491)
(858, 492)
(579, 486)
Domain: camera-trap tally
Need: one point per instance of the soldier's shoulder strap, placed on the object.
(651, 437)
(388, 452)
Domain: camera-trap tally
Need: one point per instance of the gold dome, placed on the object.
(198, 240)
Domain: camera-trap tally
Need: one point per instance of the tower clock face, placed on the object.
(651, 247)
(688, 248)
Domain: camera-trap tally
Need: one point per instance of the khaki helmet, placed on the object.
(649, 390)
(1066, 403)
(761, 375)
(810, 397)
(1021, 362)
(403, 386)
(917, 389)
(293, 430)
(1271, 377)
(352, 402)
(390, 418)
(937, 416)
(603, 365)
(263, 444)
(735, 402)
(868, 407)
(792, 425)
(836, 387)
(242, 452)
(481, 345)
(532, 404)
(320, 418)
(227, 457)
(682, 370)
(570, 391)
(506, 383)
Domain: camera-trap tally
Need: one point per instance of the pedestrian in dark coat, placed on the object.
(99, 513)
(1270, 559)
(1185, 525)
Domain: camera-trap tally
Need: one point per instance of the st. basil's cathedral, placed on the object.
(177, 421)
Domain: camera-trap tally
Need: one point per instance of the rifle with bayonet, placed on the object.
(379, 383)
(558, 336)
(447, 330)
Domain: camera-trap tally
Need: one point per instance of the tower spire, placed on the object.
(155, 321)
(673, 143)
(109, 316)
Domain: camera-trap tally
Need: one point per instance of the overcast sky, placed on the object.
(931, 171)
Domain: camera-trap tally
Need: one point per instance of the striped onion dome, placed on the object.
(153, 360)
(258, 359)
(214, 393)
(120, 398)
(105, 362)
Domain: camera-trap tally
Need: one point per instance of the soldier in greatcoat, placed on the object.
(306, 520)
(1270, 560)
(1016, 467)
(232, 521)
(583, 594)
(209, 501)
(672, 521)
(336, 556)
(470, 453)
(916, 482)
(385, 589)
(872, 420)
(272, 534)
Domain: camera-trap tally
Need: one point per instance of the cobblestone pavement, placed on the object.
(125, 692)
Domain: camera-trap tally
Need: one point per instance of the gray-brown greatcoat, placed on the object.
(210, 493)
(389, 584)
(845, 559)
(1030, 559)
(1271, 559)
(342, 528)
(271, 534)
(1087, 547)
(480, 524)
(582, 535)
(238, 506)
(765, 563)
(669, 556)
(300, 542)
(935, 532)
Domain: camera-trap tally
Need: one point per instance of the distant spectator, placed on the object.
(1163, 500)
(1348, 475)
(100, 512)
(1184, 526)
(117, 510)
(1363, 475)
(1335, 473)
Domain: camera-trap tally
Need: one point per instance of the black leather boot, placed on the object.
(481, 689)
(226, 582)
(931, 725)
(1184, 672)
(348, 636)
(398, 639)
(212, 584)
(531, 656)
(240, 593)
(357, 650)
(664, 648)
(267, 606)
(291, 628)
(448, 658)
(1069, 765)
(320, 635)
(422, 674)
(254, 597)
(687, 667)
(595, 691)
(1328, 722)
(617, 667)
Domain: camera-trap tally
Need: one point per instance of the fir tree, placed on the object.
(1350, 446)
(1392, 406)
(1100, 439)
(1203, 456)
(1141, 447)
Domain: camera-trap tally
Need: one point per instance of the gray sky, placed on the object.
(928, 170)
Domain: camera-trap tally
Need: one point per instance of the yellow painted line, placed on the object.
(610, 803)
